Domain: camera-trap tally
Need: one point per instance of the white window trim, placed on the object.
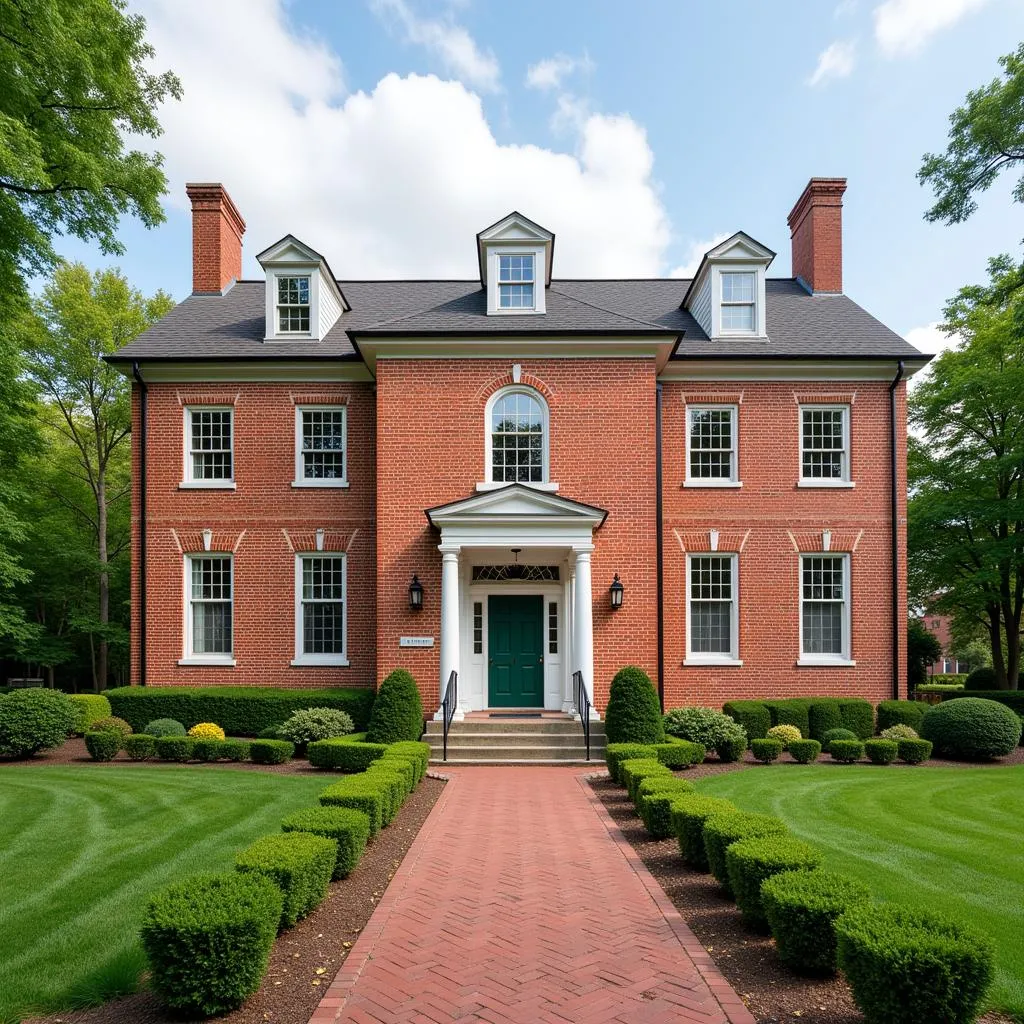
(760, 331)
(188, 482)
(734, 479)
(190, 657)
(705, 657)
(272, 332)
(300, 480)
(846, 480)
(487, 484)
(844, 659)
(494, 307)
(336, 660)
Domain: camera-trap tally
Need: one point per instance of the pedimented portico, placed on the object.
(516, 597)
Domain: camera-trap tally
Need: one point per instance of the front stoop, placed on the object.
(553, 739)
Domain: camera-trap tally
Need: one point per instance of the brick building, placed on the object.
(519, 477)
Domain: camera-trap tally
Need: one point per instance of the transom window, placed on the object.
(711, 443)
(321, 445)
(293, 305)
(209, 581)
(516, 281)
(824, 606)
(518, 447)
(712, 623)
(320, 582)
(209, 440)
(738, 307)
(824, 443)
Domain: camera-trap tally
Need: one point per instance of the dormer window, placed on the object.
(515, 265)
(516, 281)
(293, 305)
(738, 302)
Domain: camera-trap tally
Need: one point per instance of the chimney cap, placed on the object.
(817, 192)
(202, 193)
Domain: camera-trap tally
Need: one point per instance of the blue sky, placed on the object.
(385, 133)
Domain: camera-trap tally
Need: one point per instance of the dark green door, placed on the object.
(515, 636)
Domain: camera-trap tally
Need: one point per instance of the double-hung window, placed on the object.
(209, 457)
(739, 310)
(825, 445)
(516, 281)
(209, 587)
(712, 609)
(711, 443)
(320, 609)
(517, 442)
(824, 609)
(320, 446)
(293, 304)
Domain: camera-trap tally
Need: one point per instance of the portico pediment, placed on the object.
(517, 505)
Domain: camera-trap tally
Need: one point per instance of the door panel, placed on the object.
(516, 652)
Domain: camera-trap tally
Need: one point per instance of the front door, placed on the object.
(515, 675)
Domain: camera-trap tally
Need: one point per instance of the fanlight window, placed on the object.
(517, 439)
(515, 573)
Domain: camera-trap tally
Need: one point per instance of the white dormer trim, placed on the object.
(515, 235)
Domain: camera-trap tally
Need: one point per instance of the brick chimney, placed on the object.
(816, 227)
(217, 229)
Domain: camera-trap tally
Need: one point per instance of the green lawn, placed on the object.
(943, 838)
(82, 847)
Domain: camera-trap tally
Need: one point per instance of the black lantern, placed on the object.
(415, 594)
(615, 591)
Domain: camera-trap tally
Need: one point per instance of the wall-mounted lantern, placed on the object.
(615, 592)
(415, 594)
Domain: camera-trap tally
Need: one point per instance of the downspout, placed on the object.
(143, 432)
(658, 524)
(895, 533)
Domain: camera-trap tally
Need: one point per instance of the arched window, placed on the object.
(517, 437)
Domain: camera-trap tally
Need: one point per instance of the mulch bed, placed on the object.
(305, 958)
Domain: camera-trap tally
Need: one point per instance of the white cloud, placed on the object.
(390, 182)
(930, 339)
(835, 61)
(552, 71)
(903, 27)
(695, 253)
(450, 42)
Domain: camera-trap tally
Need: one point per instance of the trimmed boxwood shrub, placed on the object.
(663, 784)
(733, 745)
(34, 719)
(397, 710)
(881, 751)
(801, 908)
(392, 787)
(417, 752)
(681, 754)
(90, 708)
(822, 716)
(751, 861)
(208, 940)
(752, 715)
(633, 771)
(348, 827)
(846, 751)
(913, 751)
(140, 746)
(971, 728)
(239, 710)
(616, 753)
(983, 678)
(804, 751)
(836, 734)
(786, 734)
(633, 714)
(112, 724)
(174, 748)
(688, 814)
(901, 712)
(272, 732)
(234, 750)
(791, 711)
(344, 755)
(359, 793)
(899, 732)
(271, 751)
(165, 727)
(103, 746)
(208, 750)
(723, 829)
(300, 864)
(705, 726)
(1013, 699)
(857, 715)
(655, 808)
(913, 967)
(400, 766)
(766, 750)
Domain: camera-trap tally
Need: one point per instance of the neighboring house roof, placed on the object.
(799, 325)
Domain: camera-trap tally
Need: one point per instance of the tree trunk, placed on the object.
(101, 521)
(995, 632)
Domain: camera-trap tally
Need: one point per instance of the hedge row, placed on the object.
(813, 716)
(240, 710)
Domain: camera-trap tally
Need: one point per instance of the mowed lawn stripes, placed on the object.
(947, 839)
(81, 849)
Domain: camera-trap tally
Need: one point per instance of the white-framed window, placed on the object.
(552, 627)
(712, 609)
(712, 443)
(825, 445)
(825, 609)
(739, 306)
(478, 627)
(517, 437)
(516, 281)
(321, 609)
(294, 304)
(321, 446)
(209, 609)
(209, 446)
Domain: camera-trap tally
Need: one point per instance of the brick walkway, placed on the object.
(521, 901)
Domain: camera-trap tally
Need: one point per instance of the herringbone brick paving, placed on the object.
(521, 901)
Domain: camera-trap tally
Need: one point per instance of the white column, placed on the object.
(449, 617)
(583, 638)
(567, 659)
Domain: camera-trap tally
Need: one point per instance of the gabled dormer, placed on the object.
(303, 299)
(515, 257)
(726, 296)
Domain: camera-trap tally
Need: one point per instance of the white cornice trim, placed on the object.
(270, 371)
(787, 369)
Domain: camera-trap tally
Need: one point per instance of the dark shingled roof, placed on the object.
(231, 326)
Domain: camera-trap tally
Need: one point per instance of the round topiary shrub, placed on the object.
(206, 731)
(34, 720)
(174, 748)
(801, 908)
(728, 827)
(91, 707)
(899, 732)
(112, 724)
(766, 750)
(140, 746)
(733, 745)
(914, 751)
(846, 751)
(881, 751)
(913, 967)
(750, 862)
(705, 726)
(687, 816)
(804, 751)
(981, 679)
(308, 725)
(786, 734)
(104, 746)
(836, 734)
(397, 713)
(971, 728)
(633, 714)
(165, 727)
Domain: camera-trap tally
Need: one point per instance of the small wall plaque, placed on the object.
(415, 641)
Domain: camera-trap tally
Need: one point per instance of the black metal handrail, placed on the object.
(448, 706)
(582, 702)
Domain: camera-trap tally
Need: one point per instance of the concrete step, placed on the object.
(508, 754)
(596, 763)
(565, 727)
(514, 739)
